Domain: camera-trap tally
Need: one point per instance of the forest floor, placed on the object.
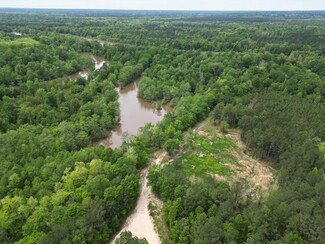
(139, 222)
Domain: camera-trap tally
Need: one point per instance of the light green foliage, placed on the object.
(224, 127)
(263, 72)
(321, 146)
(205, 154)
(210, 143)
(19, 41)
(30, 58)
(77, 201)
(203, 164)
(49, 123)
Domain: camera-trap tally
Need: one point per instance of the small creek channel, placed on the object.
(98, 63)
(134, 113)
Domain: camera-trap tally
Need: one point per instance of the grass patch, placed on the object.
(199, 165)
(210, 145)
(208, 129)
(207, 153)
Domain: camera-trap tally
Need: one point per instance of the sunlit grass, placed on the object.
(207, 154)
(210, 144)
(199, 165)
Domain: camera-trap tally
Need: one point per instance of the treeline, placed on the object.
(203, 211)
(50, 103)
(285, 129)
(250, 74)
(41, 58)
(278, 122)
(54, 187)
(281, 127)
(289, 129)
(208, 31)
(179, 73)
(52, 199)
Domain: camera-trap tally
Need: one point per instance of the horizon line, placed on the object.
(185, 10)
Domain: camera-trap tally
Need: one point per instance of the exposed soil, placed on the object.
(255, 172)
(139, 222)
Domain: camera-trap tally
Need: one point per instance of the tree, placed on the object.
(224, 126)
(171, 145)
(126, 237)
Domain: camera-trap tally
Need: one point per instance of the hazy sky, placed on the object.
(171, 4)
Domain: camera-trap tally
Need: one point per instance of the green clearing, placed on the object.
(197, 165)
(209, 143)
(207, 154)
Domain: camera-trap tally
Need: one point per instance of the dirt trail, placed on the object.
(139, 221)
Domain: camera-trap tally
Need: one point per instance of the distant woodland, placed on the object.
(260, 72)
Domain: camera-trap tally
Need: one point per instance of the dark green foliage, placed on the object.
(194, 212)
(288, 129)
(129, 73)
(278, 122)
(257, 71)
(127, 238)
(47, 58)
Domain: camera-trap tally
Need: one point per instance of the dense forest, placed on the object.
(263, 73)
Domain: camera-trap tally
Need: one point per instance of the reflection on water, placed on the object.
(134, 112)
(98, 63)
(16, 33)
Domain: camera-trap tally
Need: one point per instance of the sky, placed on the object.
(169, 4)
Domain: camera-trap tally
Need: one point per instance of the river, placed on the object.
(134, 113)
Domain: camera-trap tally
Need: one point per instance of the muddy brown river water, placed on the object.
(134, 112)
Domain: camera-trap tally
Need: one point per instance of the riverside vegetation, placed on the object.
(262, 73)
